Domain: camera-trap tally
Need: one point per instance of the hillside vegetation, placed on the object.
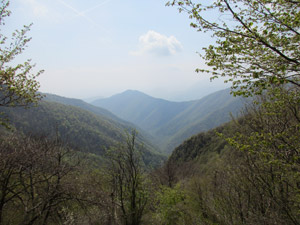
(104, 114)
(81, 129)
(244, 172)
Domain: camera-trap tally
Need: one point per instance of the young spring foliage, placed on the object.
(256, 41)
(18, 85)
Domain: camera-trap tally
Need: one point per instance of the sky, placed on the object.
(99, 48)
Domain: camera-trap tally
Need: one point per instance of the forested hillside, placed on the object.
(105, 115)
(78, 128)
(83, 105)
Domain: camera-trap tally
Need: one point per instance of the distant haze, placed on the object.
(194, 92)
(97, 48)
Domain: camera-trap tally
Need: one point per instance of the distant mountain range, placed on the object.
(172, 122)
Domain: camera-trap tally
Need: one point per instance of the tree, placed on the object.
(171, 208)
(18, 85)
(38, 181)
(269, 138)
(257, 180)
(257, 41)
(257, 47)
(129, 193)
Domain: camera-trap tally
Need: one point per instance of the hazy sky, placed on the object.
(101, 47)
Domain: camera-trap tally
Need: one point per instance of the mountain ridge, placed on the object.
(172, 122)
(105, 114)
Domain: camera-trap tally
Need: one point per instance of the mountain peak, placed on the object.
(132, 92)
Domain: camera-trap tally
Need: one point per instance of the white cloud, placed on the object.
(37, 8)
(157, 44)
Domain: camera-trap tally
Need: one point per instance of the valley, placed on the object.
(161, 124)
(222, 149)
(173, 122)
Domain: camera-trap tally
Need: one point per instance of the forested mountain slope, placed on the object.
(81, 129)
(202, 115)
(105, 114)
(173, 122)
(199, 146)
(81, 104)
